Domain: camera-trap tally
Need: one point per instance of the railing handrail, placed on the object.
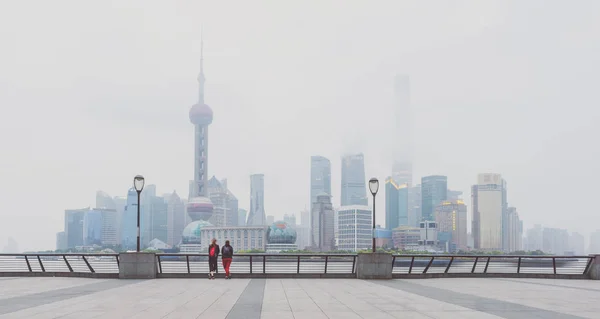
(259, 254)
(491, 256)
(60, 255)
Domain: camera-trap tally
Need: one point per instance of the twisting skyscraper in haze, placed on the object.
(201, 115)
(354, 187)
(257, 217)
(402, 161)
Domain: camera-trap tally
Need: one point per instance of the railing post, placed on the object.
(449, 264)
(118, 260)
(354, 264)
(519, 266)
(159, 264)
(587, 267)
(428, 265)
(326, 259)
(298, 265)
(264, 264)
(88, 264)
(250, 264)
(187, 261)
(412, 261)
(487, 263)
(67, 262)
(28, 264)
(474, 265)
(41, 264)
(393, 263)
(554, 264)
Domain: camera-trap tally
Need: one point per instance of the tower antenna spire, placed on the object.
(201, 78)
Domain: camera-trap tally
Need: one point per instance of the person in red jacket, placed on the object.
(213, 255)
(227, 256)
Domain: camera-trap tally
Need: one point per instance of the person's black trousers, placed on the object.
(212, 263)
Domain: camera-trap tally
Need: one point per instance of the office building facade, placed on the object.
(396, 204)
(322, 228)
(355, 228)
(354, 188)
(257, 216)
(433, 191)
(488, 207)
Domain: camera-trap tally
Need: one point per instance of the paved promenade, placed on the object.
(39, 298)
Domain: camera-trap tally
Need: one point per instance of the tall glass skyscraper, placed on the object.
(354, 188)
(396, 204)
(257, 217)
(320, 177)
(74, 227)
(434, 190)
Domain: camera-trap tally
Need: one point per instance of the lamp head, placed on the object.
(138, 183)
(373, 185)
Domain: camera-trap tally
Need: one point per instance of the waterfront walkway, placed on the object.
(42, 298)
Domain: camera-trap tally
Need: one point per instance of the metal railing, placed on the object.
(257, 265)
(92, 265)
(489, 265)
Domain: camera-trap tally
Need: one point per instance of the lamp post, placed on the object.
(138, 184)
(374, 187)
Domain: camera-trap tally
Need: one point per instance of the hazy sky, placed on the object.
(93, 93)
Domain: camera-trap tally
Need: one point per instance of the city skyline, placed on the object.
(128, 108)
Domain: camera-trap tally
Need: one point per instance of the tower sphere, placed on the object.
(201, 114)
(199, 208)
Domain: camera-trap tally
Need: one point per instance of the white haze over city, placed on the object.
(93, 93)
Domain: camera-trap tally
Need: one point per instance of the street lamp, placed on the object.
(138, 184)
(374, 187)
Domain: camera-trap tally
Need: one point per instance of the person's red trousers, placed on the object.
(226, 264)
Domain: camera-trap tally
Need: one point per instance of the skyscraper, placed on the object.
(451, 217)
(434, 190)
(320, 179)
(396, 204)
(201, 115)
(355, 228)
(129, 222)
(225, 204)
(322, 228)
(175, 219)
(402, 164)
(74, 227)
(514, 224)
(257, 217)
(242, 217)
(488, 208)
(354, 188)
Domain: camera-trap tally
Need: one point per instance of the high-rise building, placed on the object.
(305, 217)
(396, 204)
(320, 177)
(354, 188)
(199, 206)
(414, 206)
(155, 220)
(488, 206)
(535, 238)
(290, 219)
(242, 213)
(225, 204)
(61, 241)
(322, 228)
(434, 190)
(402, 164)
(577, 244)
(103, 200)
(92, 228)
(515, 230)
(555, 241)
(175, 219)
(355, 228)
(74, 227)
(451, 217)
(454, 195)
(120, 204)
(129, 222)
(257, 201)
(406, 237)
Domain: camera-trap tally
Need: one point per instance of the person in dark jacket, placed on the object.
(213, 255)
(227, 256)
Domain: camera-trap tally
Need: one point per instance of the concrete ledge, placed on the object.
(60, 274)
(137, 265)
(260, 275)
(374, 266)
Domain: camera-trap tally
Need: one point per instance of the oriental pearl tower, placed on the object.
(201, 115)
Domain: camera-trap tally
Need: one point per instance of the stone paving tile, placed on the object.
(298, 298)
